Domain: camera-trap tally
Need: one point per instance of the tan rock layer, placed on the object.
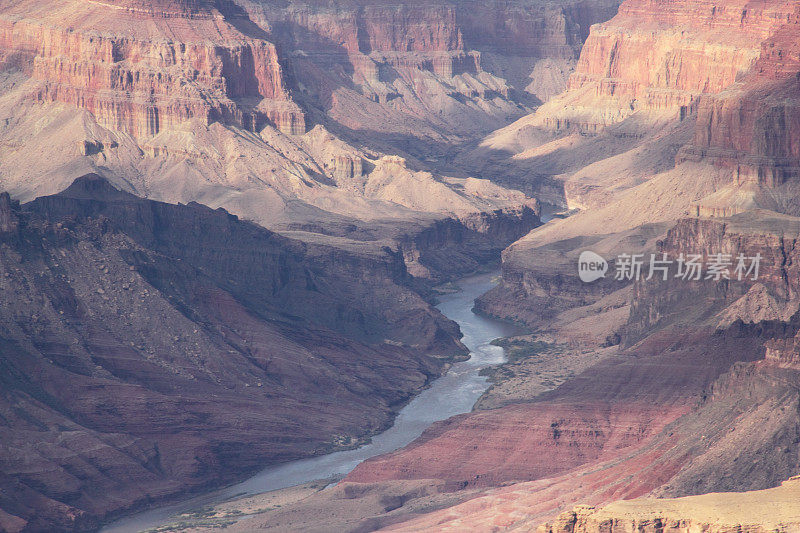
(773, 510)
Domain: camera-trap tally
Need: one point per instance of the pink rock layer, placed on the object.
(140, 69)
(752, 127)
(665, 55)
(734, 63)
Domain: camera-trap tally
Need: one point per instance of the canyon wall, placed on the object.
(713, 362)
(750, 127)
(662, 57)
(732, 66)
(143, 67)
(210, 102)
(429, 71)
(643, 80)
(721, 76)
(773, 296)
(150, 350)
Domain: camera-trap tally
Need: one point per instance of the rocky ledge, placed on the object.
(766, 511)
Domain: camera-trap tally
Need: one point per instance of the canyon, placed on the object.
(212, 102)
(222, 214)
(291, 115)
(128, 344)
(699, 396)
(671, 108)
(674, 136)
(226, 223)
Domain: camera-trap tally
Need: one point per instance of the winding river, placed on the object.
(453, 393)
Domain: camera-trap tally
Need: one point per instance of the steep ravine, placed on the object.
(151, 350)
(451, 394)
(710, 367)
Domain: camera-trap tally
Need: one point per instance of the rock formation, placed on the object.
(143, 67)
(663, 56)
(675, 109)
(750, 512)
(725, 70)
(153, 349)
(750, 127)
(201, 101)
(685, 108)
(385, 68)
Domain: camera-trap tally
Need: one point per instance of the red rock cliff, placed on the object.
(752, 126)
(371, 44)
(657, 55)
(141, 67)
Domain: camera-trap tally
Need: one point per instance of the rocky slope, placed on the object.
(119, 61)
(663, 56)
(216, 102)
(226, 105)
(677, 108)
(749, 512)
(657, 56)
(662, 84)
(153, 349)
(699, 396)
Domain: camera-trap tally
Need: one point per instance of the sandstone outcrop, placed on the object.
(143, 67)
(750, 127)
(662, 56)
(771, 510)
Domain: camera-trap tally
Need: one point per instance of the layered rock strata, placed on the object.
(663, 56)
(725, 398)
(143, 67)
(771, 510)
(750, 127)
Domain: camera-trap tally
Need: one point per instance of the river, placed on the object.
(454, 393)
